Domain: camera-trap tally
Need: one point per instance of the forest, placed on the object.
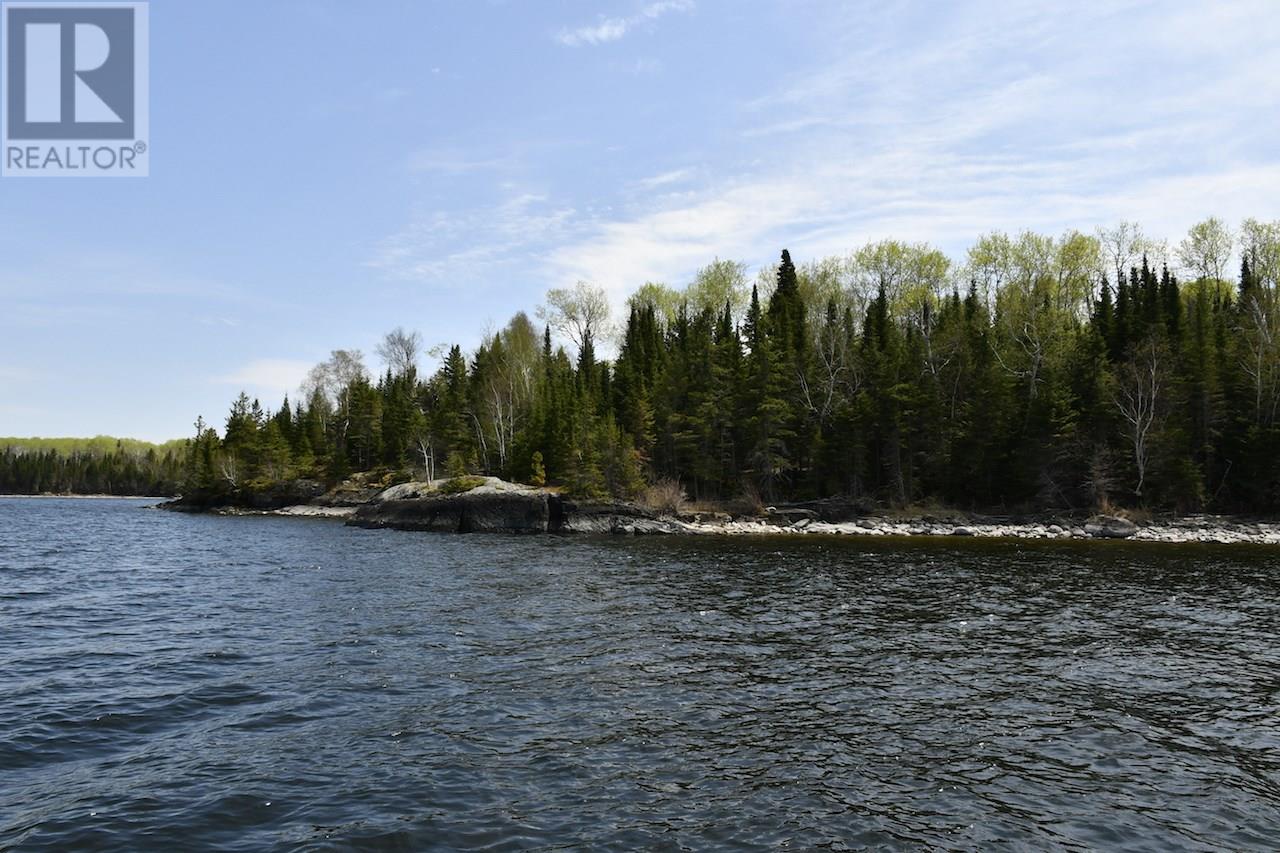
(91, 466)
(1078, 372)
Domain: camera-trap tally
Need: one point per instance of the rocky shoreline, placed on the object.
(1203, 529)
(490, 505)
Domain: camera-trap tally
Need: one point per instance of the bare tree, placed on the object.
(347, 366)
(1260, 242)
(227, 463)
(507, 376)
(1206, 250)
(1138, 399)
(1157, 253)
(428, 455)
(988, 265)
(1029, 300)
(1123, 246)
(331, 377)
(835, 367)
(317, 384)
(578, 312)
(766, 282)
(1260, 329)
(399, 350)
(330, 380)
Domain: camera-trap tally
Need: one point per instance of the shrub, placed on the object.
(458, 485)
(749, 503)
(537, 470)
(665, 496)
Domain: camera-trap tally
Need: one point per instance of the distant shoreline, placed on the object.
(51, 496)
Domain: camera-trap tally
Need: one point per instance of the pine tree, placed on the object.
(766, 413)
(1008, 397)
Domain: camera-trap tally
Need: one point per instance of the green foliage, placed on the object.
(458, 485)
(99, 445)
(101, 465)
(1023, 378)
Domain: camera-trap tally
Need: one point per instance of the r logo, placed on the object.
(75, 86)
(70, 72)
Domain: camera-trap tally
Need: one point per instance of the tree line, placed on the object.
(97, 466)
(1070, 372)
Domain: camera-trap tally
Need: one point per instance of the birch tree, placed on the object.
(577, 313)
(399, 351)
(1138, 397)
(1206, 250)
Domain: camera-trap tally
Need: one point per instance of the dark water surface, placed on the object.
(172, 682)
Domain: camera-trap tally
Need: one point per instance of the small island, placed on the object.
(1072, 388)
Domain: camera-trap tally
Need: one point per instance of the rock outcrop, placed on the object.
(611, 517)
(278, 496)
(495, 506)
(788, 516)
(1110, 527)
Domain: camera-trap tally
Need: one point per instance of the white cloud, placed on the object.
(675, 176)
(1048, 121)
(938, 128)
(612, 29)
(268, 376)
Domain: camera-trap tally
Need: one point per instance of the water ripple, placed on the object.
(176, 682)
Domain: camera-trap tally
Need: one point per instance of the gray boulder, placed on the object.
(609, 517)
(469, 512)
(1110, 527)
(788, 516)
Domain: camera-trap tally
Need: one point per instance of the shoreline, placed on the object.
(1198, 530)
(1214, 530)
(50, 496)
(495, 506)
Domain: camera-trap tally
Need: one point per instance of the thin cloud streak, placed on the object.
(448, 248)
(944, 143)
(612, 29)
(997, 116)
(675, 176)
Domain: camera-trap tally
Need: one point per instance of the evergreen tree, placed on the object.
(860, 377)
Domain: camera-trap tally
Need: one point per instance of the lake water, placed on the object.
(176, 682)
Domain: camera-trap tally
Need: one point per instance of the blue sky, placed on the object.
(324, 171)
